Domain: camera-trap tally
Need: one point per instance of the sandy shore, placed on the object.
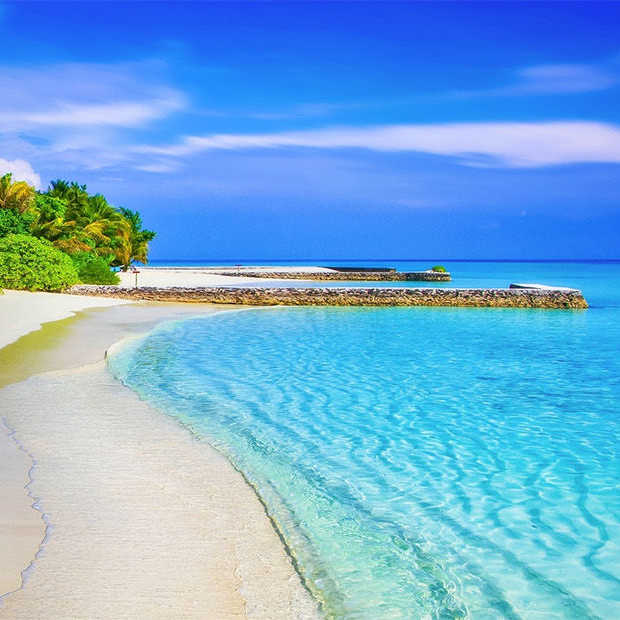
(21, 527)
(22, 312)
(143, 520)
(162, 277)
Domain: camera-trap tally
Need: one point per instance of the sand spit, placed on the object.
(145, 520)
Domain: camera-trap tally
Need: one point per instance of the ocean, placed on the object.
(419, 462)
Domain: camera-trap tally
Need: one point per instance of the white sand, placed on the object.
(163, 277)
(22, 312)
(21, 527)
(145, 521)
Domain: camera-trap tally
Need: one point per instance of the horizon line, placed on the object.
(400, 260)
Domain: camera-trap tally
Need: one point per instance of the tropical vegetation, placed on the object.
(34, 264)
(65, 223)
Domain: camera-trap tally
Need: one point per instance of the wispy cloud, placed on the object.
(504, 144)
(535, 80)
(157, 168)
(83, 115)
(553, 79)
(563, 79)
(21, 171)
(82, 94)
(119, 113)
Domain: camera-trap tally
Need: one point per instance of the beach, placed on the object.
(362, 456)
(164, 277)
(133, 515)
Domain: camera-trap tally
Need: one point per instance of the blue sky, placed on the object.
(335, 130)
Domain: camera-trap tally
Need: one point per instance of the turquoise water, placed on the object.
(420, 462)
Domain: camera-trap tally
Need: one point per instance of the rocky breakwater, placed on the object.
(364, 276)
(378, 296)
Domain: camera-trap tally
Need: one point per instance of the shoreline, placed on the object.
(29, 311)
(23, 313)
(261, 582)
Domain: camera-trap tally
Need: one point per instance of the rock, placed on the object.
(336, 296)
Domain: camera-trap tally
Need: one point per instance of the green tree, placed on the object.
(49, 222)
(79, 224)
(137, 246)
(85, 224)
(18, 195)
(73, 194)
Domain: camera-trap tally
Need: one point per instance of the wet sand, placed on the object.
(144, 519)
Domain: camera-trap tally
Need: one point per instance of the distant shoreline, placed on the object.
(207, 262)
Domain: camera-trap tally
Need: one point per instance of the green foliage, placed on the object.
(93, 269)
(138, 240)
(91, 224)
(50, 208)
(34, 264)
(13, 222)
(18, 195)
(439, 269)
(86, 227)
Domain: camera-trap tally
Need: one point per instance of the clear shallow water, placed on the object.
(419, 462)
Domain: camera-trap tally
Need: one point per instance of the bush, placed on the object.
(93, 269)
(439, 268)
(34, 264)
(13, 223)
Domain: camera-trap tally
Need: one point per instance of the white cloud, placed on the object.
(157, 168)
(505, 144)
(120, 113)
(21, 171)
(83, 94)
(562, 79)
(77, 116)
(552, 79)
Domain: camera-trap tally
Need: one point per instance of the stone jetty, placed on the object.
(549, 298)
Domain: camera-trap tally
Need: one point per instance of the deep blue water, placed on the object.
(420, 462)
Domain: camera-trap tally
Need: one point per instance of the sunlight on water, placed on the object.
(420, 463)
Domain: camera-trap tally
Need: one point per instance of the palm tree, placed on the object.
(107, 228)
(73, 194)
(138, 243)
(64, 235)
(76, 222)
(17, 195)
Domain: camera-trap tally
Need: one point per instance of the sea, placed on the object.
(419, 462)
